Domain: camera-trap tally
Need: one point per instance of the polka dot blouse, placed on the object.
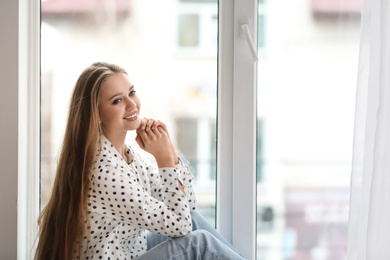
(125, 200)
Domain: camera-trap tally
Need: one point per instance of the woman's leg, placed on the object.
(198, 223)
(154, 239)
(199, 244)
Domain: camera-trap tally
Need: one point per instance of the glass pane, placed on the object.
(141, 36)
(306, 91)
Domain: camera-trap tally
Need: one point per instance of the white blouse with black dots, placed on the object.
(126, 199)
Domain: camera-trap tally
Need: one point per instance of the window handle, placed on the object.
(252, 47)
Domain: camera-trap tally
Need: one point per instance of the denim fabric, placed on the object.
(204, 242)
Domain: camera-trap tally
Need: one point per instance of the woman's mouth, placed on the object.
(131, 117)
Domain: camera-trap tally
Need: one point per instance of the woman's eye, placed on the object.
(116, 101)
(132, 93)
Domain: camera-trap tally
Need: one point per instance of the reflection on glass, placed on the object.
(306, 90)
(141, 36)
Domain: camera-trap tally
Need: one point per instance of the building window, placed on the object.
(197, 23)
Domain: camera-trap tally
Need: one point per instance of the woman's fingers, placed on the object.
(148, 124)
(142, 124)
(160, 124)
(151, 124)
(149, 137)
(153, 137)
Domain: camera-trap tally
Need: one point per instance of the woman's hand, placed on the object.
(153, 137)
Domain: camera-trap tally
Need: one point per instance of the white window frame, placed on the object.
(28, 127)
(236, 149)
(236, 139)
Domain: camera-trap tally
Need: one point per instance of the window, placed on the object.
(236, 92)
(175, 89)
(261, 27)
(306, 89)
(188, 30)
(197, 24)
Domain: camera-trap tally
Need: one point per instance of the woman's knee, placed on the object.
(201, 232)
(199, 221)
(206, 244)
(202, 236)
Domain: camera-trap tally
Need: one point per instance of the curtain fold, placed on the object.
(369, 222)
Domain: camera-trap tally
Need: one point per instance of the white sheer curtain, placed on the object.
(369, 224)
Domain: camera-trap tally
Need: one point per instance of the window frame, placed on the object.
(28, 127)
(236, 145)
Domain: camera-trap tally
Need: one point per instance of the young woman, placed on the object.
(108, 202)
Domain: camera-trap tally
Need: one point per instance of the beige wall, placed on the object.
(8, 127)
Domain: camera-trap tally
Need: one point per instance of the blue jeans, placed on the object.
(204, 242)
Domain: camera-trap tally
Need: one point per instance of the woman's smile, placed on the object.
(132, 117)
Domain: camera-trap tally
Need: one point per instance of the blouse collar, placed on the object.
(107, 147)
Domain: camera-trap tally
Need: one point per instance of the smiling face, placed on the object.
(119, 106)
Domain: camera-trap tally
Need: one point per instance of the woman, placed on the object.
(106, 196)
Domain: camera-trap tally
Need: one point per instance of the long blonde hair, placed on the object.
(62, 221)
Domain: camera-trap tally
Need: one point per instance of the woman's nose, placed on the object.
(130, 104)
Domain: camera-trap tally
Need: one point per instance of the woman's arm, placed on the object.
(184, 176)
(147, 126)
(153, 137)
(117, 193)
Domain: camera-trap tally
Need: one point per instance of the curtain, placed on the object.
(369, 222)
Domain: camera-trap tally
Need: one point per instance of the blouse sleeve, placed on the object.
(186, 179)
(117, 193)
(184, 176)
